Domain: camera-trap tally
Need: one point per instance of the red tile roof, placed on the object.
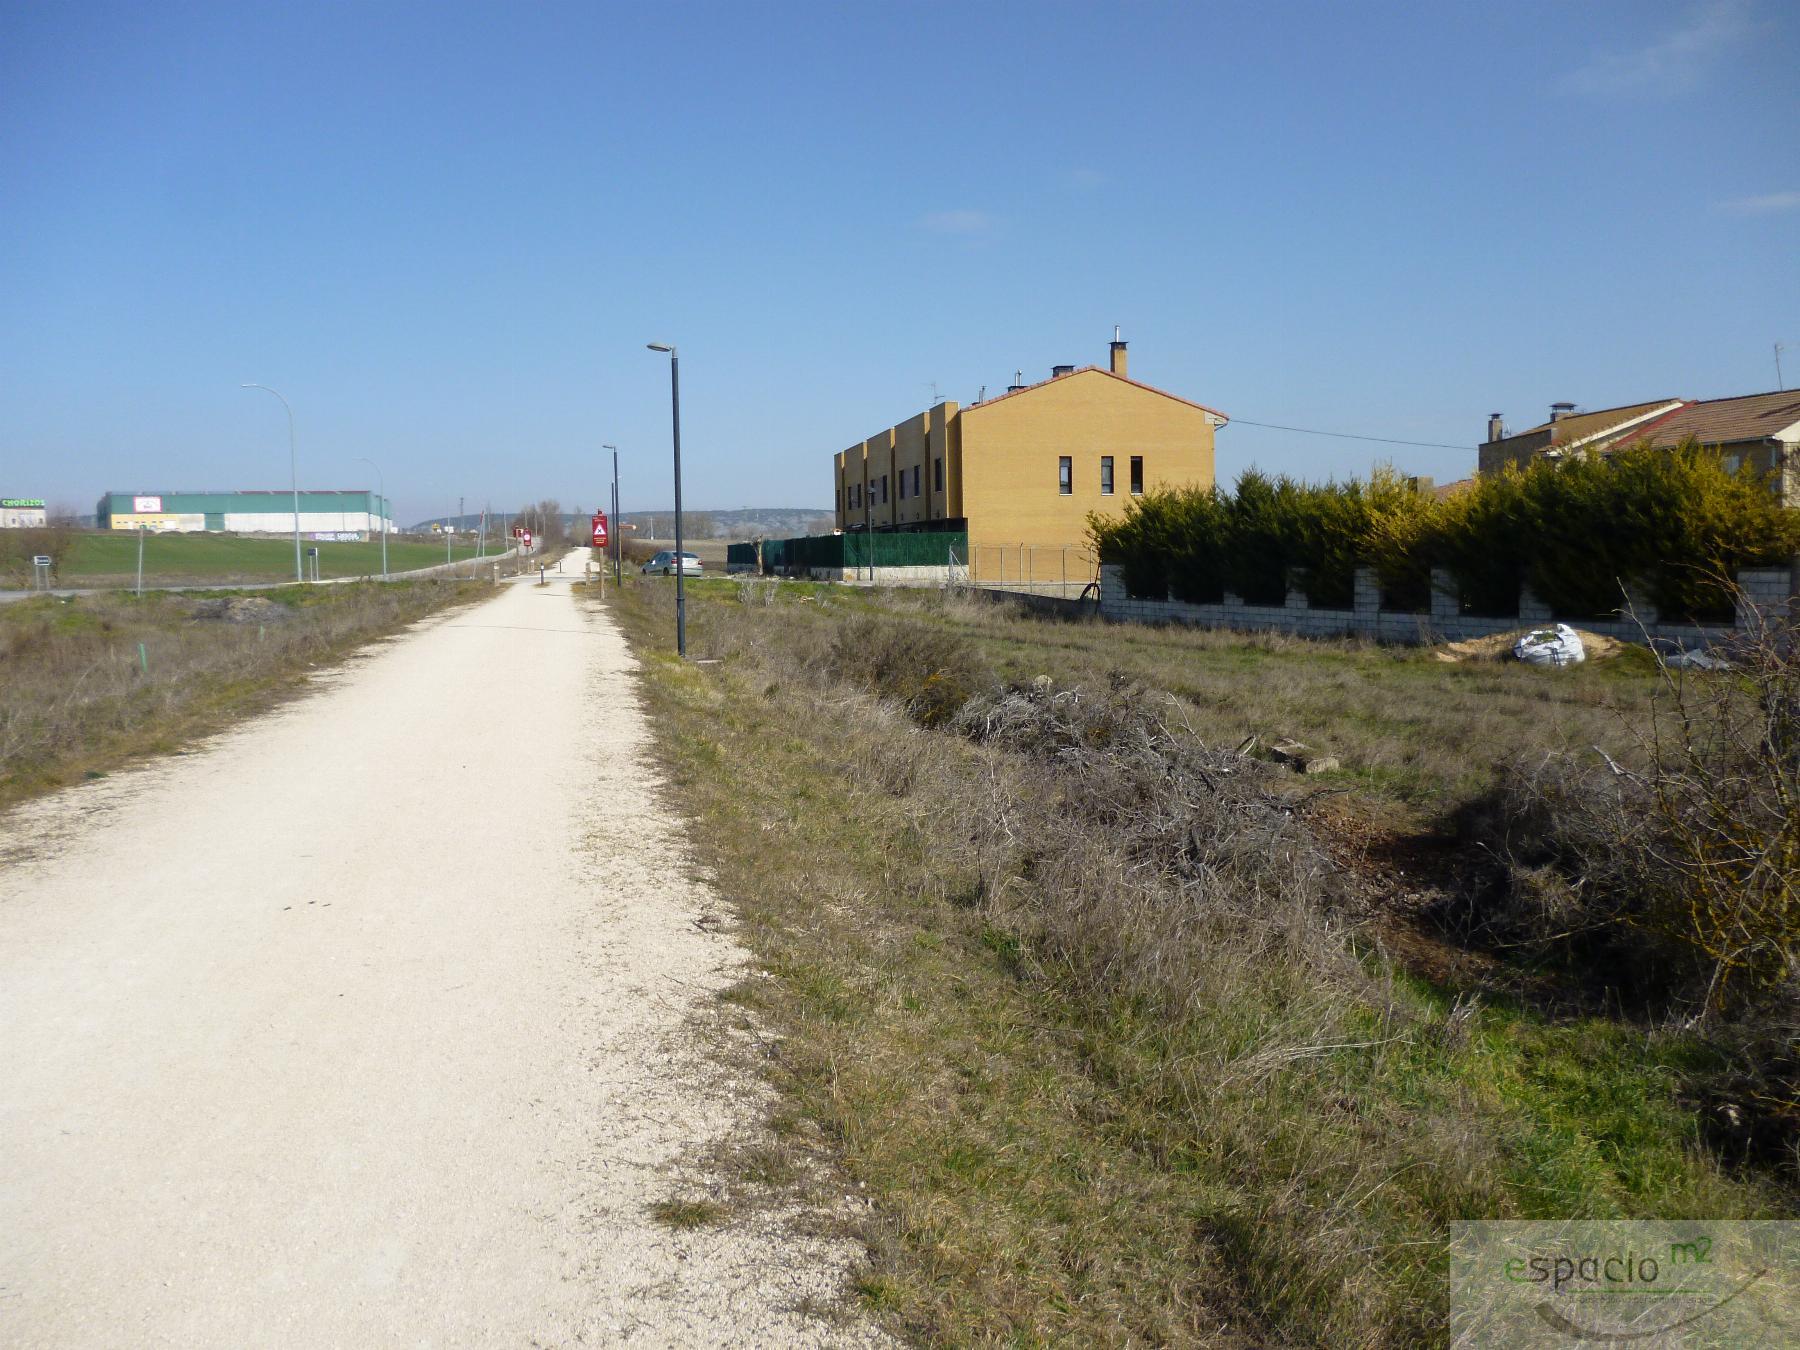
(1721, 421)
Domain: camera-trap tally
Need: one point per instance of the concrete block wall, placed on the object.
(884, 576)
(1775, 591)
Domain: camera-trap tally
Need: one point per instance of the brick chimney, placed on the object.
(1496, 428)
(1118, 354)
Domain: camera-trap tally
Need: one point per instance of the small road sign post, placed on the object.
(40, 571)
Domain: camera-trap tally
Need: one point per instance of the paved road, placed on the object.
(367, 1025)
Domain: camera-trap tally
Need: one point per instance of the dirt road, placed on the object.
(365, 1024)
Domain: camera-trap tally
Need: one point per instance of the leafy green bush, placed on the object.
(1478, 535)
(1196, 544)
(1675, 523)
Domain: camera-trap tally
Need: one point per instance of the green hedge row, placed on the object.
(1674, 522)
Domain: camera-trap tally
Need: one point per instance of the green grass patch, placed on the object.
(685, 1215)
(113, 555)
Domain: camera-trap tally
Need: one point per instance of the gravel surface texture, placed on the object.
(378, 1021)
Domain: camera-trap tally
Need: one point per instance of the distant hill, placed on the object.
(755, 522)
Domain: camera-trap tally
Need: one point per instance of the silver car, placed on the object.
(663, 565)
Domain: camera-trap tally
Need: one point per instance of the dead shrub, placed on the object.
(1137, 856)
(929, 671)
(1687, 865)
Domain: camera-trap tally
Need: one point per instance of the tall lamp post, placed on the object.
(680, 563)
(294, 475)
(617, 541)
(381, 483)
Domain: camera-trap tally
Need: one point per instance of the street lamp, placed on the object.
(680, 563)
(617, 541)
(382, 483)
(294, 475)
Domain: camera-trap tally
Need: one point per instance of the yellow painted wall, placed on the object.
(911, 447)
(881, 465)
(1010, 448)
(1000, 466)
(939, 500)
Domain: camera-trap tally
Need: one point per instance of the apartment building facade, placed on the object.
(1024, 470)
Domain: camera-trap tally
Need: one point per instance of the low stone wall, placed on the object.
(884, 576)
(1771, 590)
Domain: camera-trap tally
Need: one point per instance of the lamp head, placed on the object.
(660, 346)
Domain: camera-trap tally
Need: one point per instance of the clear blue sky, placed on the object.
(446, 231)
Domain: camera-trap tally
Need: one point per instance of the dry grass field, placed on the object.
(1130, 1038)
(92, 681)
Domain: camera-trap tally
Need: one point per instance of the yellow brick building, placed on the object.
(1022, 471)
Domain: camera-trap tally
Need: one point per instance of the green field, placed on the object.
(100, 557)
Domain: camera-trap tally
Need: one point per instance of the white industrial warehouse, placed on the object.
(343, 514)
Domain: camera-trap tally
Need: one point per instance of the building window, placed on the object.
(1733, 462)
(900, 487)
(884, 479)
(937, 474)
(1065, 476)
(916, 469)
(1106, 475)
(1137, 475)
(840, 501)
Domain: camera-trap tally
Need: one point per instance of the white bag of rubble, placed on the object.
(1558, 646)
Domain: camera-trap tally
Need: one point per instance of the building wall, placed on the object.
(878, 481)
(23, 513)
(911, 453)
(241, 512)
(1010, 449)
(945, 502)
(1517, 451)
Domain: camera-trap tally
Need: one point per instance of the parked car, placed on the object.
(663, 565)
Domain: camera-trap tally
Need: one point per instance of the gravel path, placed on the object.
(363, 1025)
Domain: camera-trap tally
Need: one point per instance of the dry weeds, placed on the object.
(1076, 991)
(93, 680)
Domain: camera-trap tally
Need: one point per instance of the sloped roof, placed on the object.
(1723, 421)
(1098, 370)
(1582, 425)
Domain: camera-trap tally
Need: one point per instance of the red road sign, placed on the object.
(600, 529)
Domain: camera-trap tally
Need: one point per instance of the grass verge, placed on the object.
(1248, 1126)
(110, 557)
(94, 681)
